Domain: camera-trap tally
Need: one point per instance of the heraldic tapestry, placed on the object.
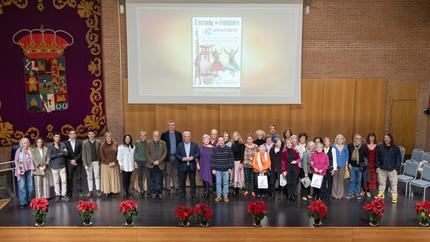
(51, 69)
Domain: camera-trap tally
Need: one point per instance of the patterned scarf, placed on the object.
(356, 154)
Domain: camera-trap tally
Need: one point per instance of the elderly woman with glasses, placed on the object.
(23, 167)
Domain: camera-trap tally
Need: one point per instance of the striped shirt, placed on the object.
(222, 158)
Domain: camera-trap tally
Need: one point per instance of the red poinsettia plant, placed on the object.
(374, 210)
(258, 210)
(86, 209)
(203, 213)
(40, 209)
(128, 208)
(423, 211)
(183, 214)
(318, 209)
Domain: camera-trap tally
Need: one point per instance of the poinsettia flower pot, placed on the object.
(204, 224)
(257, 223)
(317, 222)
(40, 210)
(87, 221)
(424, 222)
(39, 223)
(183, 223)
(373, 222)
(129, 222)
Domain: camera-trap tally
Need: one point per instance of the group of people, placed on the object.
(257, 165)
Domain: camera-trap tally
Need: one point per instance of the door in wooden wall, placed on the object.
(404, 113)
(403, 121)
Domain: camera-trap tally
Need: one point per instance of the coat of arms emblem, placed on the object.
(44, 68)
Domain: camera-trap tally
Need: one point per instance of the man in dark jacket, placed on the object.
(172, 137)
(74, 166)
(187, 152)
(388, 161)
(57, 154)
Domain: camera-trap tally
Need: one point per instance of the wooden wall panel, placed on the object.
(403, 121)
(237, 117)
(307, 116)
(329, 107)
(369, 107)
(403, 124)
(137, 117)
(201, 119)
(390, 234)
(165, 112)
(191, 234)
(265, 115)
(74, 234)
(248, 118)
(216, 234)
(338, 108)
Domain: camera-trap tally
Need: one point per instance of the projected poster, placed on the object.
(217, 51)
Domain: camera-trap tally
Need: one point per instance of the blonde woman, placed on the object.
(23, 167)
(110, 181)
(41, 172)
(294, 141)
(260, 137)
(227, 139)
(238, 152)
(341, 160)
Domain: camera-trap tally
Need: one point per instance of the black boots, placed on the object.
(236, 192)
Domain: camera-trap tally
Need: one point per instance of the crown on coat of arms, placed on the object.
(47, 43)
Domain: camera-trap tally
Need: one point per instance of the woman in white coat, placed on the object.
(126, 163)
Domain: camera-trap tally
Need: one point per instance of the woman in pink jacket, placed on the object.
(319, 164)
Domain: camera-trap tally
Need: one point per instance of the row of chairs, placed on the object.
(410, 172)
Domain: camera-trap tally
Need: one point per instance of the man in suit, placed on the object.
(187, 152)
(91, 161)
(74, 164)
(155, 155)
(172, 137)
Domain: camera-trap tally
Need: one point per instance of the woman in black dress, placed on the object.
(275, 169)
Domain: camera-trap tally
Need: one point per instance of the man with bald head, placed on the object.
(214, 137)
(156, 154)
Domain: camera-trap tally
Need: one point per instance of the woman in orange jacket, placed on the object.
(261, 166)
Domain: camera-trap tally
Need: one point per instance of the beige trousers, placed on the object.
(382, 180)
(60, 176)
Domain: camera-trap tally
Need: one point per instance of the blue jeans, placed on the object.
(222, 178)
(25, 187)
(355, 181)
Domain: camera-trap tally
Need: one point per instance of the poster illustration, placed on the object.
(217, 51)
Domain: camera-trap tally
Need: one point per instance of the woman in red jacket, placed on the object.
(319, 164)
(290, 168)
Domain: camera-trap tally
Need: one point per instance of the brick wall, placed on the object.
(384, 38)
(355, 38)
